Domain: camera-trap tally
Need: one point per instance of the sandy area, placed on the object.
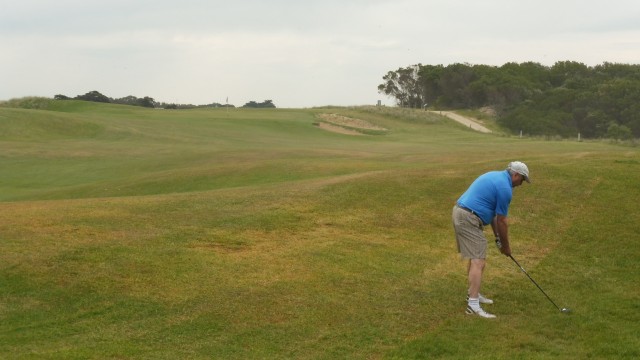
(337, 129)
(346, 125)
(350, 126)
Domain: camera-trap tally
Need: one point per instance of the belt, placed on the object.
(470, 211)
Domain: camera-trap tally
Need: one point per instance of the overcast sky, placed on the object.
(298, 53)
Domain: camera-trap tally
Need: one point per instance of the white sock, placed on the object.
(474, 303)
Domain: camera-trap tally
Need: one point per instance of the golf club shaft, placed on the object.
(533, 281)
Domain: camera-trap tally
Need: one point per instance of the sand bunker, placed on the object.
(346, 125)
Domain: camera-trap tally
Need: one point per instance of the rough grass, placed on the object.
(137, 233)
(30, 102)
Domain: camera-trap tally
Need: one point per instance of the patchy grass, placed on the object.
(137, 233)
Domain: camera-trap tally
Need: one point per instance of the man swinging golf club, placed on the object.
(485, 202)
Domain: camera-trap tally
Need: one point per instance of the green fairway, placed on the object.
(133, 233)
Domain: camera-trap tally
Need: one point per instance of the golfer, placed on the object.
(485, 202)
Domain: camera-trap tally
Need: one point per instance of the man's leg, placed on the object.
(475, 270)
(476, 267)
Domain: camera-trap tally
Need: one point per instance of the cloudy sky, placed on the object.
(298, 53)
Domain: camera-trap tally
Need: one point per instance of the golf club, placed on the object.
(563, 310)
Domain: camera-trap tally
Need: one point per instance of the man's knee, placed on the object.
(478, 263)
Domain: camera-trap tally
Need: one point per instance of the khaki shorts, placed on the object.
(469, 234)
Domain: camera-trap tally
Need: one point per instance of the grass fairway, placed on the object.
(133, 233)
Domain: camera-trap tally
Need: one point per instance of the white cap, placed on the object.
(520, 168)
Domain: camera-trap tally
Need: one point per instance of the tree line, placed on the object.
(96, 96)
(566, 99)
(149, 102)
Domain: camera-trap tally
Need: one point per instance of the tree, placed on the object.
(454, 83)
(403, 84)
(565, 99)
(134, 101)
(429, 82)
(146, 102)
(94, 96)
(265, 104)
(619, 132)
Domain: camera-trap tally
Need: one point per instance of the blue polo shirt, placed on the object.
(489, 195)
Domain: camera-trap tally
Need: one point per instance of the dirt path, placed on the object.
(470, 122)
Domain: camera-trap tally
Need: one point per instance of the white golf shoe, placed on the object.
(480, 312)
(483, 300)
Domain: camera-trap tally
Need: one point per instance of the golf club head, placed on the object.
(565, 310)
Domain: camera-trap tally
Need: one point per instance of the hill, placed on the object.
(129, 232)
